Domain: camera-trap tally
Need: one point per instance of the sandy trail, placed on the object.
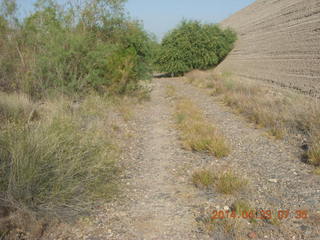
(164, 207)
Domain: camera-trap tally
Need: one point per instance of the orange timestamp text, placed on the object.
(260, 214)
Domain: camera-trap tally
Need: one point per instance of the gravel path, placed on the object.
(162, 201)
(159, 202)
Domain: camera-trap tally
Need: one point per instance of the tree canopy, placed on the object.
(193, 45)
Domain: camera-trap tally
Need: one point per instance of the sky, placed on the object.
(160, 16)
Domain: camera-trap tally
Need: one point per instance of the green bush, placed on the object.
(76, 49)
(3, 24)
(193, 45)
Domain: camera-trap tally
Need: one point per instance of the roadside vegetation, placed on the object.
(197, 134)
(226, 182)
(74, 48)
(69, 77)
(281, 114)
(193, 45)
(58, 158)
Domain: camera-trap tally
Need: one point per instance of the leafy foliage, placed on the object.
(193, 45)
(93, 45)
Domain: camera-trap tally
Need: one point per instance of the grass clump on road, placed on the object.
(314, 154)
(197, 133)
(241, 207)
(226, 182)
(203, 178)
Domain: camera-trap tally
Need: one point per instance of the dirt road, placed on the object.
(160, 202)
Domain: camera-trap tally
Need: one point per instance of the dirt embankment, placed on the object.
(279, 43)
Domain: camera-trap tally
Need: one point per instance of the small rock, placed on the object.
(252, 235)
(226, 208)
(304, 228)
(273, 180)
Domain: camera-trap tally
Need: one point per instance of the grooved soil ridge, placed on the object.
(279, 44)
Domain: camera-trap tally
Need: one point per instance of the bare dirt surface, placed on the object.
(279, 43)
(159, 200)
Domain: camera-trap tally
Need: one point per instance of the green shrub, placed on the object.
(3, 24)
(76, 49)
(193, 45)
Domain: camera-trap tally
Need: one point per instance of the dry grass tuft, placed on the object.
(231, 227)
(203, 178)
(235, 229)
(15, 107)
(241, 206)
(196, 133)
(317, 171)
(314, 154)
(125, 107)
(199, 79)
(229, 183)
